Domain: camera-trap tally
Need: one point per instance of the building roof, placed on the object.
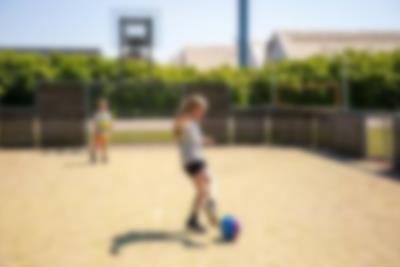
(207, 57)
(301, 44)
(49, 50)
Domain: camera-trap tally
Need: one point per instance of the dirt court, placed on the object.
(297, 209)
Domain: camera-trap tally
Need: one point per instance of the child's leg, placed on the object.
(210, 202)
(200, 183)
(92, 149)
(104, 151)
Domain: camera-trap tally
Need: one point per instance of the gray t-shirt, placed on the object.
(102, 121)
(191, 142)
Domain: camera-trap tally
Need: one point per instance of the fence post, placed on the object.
(396, 145)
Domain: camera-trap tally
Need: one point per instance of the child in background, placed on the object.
(191, 141)
(102, 123)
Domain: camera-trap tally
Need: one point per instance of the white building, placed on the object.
(213, 56)
(291, 45)
(206, 57)
(303, 44)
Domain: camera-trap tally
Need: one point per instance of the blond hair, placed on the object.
(102, 101)
(187, 105)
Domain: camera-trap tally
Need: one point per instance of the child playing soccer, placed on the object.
(101, 130)
(191, 142)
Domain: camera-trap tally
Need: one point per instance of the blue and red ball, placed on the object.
(230, 228)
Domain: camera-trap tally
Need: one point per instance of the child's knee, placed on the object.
(202, 191)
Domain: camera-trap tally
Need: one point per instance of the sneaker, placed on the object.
(195, 226)
(93, 158)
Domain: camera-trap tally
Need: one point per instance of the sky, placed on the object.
(180, 23)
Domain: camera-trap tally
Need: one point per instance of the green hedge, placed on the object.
(373, 79)
(141, 98)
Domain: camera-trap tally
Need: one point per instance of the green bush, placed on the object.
(260, 91)
(135, 89)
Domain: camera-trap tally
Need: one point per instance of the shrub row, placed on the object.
(373, 80)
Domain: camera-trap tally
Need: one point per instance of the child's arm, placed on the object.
(110, 123)
(110, 128)
(208, 141)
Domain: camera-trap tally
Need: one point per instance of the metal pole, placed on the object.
(274, 89)
(243, 42)
(345, 84)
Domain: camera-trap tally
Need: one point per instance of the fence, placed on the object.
(341, 132)
(396, 150)
(61, 116)
(17, 127)
(293, 126)
(249, 126)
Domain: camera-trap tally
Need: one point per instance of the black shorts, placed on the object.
(194, 167)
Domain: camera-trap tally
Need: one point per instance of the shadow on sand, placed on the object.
(136, 237)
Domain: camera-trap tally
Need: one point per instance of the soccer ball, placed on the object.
(230, 228)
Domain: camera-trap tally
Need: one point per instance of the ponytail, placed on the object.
(186, 107)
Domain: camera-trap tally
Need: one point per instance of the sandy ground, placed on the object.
(297, 209)
(138, 124)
